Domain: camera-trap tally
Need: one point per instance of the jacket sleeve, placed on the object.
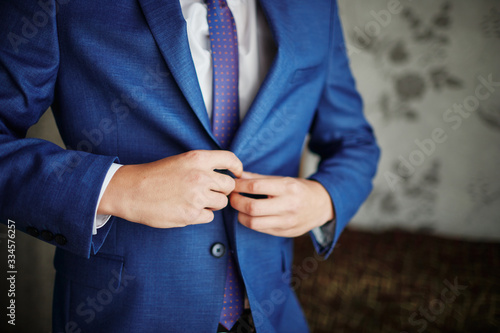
(342, 138)
(49, 192)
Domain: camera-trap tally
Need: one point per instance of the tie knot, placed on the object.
(216, 3)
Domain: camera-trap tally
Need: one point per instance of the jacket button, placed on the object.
(32, 231)
(47, 235)
(218, 250)
(60, 239)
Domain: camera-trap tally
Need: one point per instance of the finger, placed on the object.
(216, 201)
(273, 186)
(226, 160)
(260, 223)
(206, 216)
(222, 183)
(259, 207)
(274, 225)
(270, 225)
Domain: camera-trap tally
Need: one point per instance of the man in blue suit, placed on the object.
(148, 207)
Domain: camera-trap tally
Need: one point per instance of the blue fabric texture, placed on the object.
(121, 82)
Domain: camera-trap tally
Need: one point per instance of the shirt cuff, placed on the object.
(325, 234)
(100, 220)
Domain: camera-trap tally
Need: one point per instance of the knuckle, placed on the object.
(292, 186)
(223, 201)
(198, 216)
(207, 218)
(233, 156)
(198, 177)
(250, 222)
(251, 208)
(253, 186)
(198, 200)
(254, 224)
(234, 163)
(226, 184)
(195, 155)
(238, 164)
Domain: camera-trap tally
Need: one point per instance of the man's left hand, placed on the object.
(293, 206)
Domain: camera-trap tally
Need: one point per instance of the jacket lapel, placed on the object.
(168, 27)
(276, 13)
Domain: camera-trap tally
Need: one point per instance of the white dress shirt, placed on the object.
(255, 48)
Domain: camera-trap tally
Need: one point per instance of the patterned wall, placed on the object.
(429, 73)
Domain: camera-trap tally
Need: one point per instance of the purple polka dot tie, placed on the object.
(223, 39)
(225, 121)
(232, 307)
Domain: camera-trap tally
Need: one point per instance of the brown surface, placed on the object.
(375, 282)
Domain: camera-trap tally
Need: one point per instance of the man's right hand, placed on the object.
(173, 192)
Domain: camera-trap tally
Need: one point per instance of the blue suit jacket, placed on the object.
(121, 82)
